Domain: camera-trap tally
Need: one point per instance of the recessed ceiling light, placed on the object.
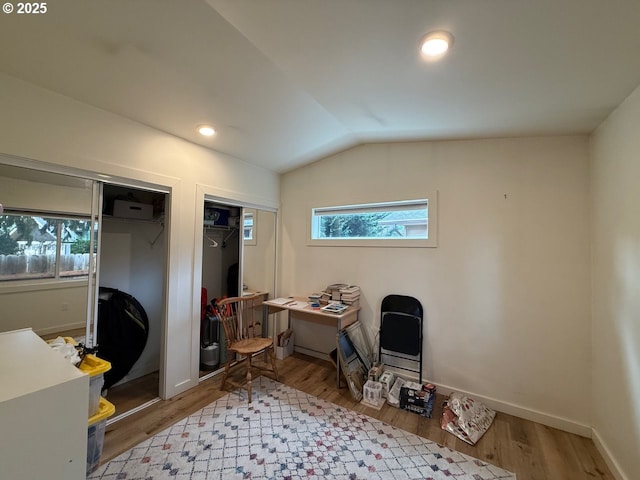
(436, 44)
(206, 130)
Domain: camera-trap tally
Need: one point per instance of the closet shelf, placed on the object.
(219, 227)
(159, 220)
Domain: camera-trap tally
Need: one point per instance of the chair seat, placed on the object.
(249, 346)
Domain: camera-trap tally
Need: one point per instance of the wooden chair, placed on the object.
(243, 336)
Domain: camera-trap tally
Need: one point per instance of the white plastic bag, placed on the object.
(67, 350)
(466, 418)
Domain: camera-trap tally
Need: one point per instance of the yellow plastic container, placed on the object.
(95, 433)
(94, 367)
(105, 410)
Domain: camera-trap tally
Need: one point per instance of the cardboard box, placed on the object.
(393, 396)
(375, 371)
(419, 401)
(386, 379)
(140, 211)
(286, 350)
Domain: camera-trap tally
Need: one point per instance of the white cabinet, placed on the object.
(43, 411)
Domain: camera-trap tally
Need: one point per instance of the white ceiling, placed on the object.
(286, 82)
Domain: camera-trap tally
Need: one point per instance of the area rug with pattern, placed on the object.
(288, 434)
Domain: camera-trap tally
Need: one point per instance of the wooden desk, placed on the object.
(315, 315)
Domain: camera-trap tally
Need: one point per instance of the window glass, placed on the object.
(392, 220)
(36, 247)
(248, 226)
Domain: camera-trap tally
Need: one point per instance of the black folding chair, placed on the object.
(400, 346)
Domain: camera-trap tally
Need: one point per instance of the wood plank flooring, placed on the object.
(134, 393)
(531, 450)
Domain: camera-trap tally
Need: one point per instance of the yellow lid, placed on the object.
(105, 410)
(93, 365)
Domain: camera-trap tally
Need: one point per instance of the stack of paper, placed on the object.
(282, 300)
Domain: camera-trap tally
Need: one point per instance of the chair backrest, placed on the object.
(239, 318)
(400, 346)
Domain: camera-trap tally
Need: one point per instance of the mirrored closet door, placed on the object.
(69, 244)
(47, 251)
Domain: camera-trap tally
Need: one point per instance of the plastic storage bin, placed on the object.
(95, 367)
(95, 433)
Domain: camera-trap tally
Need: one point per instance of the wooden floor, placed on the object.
(531, 450)
(134, 393)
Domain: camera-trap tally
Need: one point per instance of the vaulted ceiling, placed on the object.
(285, 82)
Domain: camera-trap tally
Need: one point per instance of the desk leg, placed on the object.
(338, 354)
(265, 322)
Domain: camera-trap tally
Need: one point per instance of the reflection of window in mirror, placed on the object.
(250, 226)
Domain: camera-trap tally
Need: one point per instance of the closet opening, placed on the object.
(131, 295)
(221, 253)
(238, 257)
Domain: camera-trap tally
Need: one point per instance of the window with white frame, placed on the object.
(43, 246)
(396, 223)
(249, 226)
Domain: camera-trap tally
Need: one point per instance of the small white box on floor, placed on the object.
(386, 379)
(284, 352)
(372, 394)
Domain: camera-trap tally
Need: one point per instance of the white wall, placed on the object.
(46, 309)
(217, 260)
(615, 171)
(506, 292)
(38, 124)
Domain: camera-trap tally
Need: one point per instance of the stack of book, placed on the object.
(350, 295)
(333, 291)
(314, 300)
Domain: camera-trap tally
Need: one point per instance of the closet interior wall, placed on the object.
(220, 250)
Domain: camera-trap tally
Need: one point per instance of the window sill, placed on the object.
(361, 242)
(41, 285)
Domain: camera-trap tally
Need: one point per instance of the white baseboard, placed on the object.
(608, 457)
(311, 353)
(560, 423)
(543, 418)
